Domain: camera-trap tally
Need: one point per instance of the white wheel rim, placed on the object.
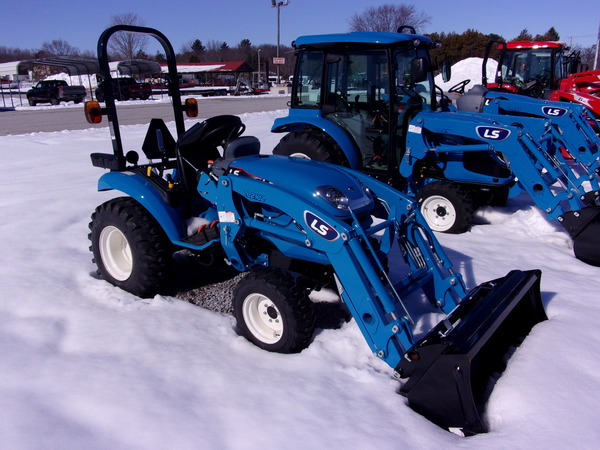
(262, 318)
(115, 253)
(299, 155)
(439, 213)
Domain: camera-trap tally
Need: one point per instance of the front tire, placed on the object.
(273, 311)
(446, 207)
(311, 144)
(130, 249)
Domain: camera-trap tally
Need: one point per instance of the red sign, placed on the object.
(277, 60)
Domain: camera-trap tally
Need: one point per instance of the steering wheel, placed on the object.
(460, 87)
(221, 128)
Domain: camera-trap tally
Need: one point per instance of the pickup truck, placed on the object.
(126, 88)
(54, 92)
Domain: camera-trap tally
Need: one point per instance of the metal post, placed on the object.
(278, 5)
(597, 45)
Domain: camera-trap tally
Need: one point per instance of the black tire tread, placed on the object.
(316, 144)
(460, 198)
(299, 307)
(148, 241)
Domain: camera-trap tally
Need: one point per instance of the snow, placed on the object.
(86, 365)
(468, 69)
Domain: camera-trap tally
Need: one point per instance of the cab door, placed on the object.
(356, 96)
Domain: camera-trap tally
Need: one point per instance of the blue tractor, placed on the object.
(367, 101)
(295, 226)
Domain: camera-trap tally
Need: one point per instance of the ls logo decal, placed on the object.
(320, 227)
(553, 111)
(493, 133)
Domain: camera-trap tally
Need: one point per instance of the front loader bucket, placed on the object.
(584, 228)
(451, 371)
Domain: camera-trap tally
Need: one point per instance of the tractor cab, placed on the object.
(530, 68)
(369, 90)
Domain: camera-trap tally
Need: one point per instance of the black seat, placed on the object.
(198, 145)
(237, 148)
(242, 146)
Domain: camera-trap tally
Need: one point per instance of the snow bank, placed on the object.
(468, 69)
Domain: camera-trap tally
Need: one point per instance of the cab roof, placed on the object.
(535, 44)
(359, 37)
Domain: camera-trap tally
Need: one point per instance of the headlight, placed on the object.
(333, 196)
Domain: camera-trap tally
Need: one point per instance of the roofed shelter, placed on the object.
(212, 73)
(17, 70)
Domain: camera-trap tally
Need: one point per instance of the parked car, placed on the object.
(126, 88)
(54, 92)
(8, 84)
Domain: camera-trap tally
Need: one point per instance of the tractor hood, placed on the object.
(328, 186)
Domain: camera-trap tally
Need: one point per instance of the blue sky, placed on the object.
(28, 24)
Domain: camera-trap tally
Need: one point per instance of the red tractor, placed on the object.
(544, 70)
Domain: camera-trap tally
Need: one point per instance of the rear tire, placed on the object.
(273, 311)
(311, 144)
(446, 206)
(54, 101)
(130, 249)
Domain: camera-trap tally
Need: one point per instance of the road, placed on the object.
(29, 120)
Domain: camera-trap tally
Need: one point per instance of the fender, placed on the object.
(302, 118)
(137, 187)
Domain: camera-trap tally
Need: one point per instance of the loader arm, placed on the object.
(354, 242)
(574, 122)
(531, 149)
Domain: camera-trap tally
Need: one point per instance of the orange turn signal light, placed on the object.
(191, 107)
(93, 112)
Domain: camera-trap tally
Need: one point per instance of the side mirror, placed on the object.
(419, 70)
(93, 112)
(401, 28)
(446, 70)
(191, 107)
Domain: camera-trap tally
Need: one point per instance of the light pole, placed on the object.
(258, 80)
(278, 5)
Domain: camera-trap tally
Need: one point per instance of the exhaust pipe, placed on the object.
(451, 371)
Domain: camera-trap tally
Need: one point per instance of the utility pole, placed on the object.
(278, 5)
(597, 45)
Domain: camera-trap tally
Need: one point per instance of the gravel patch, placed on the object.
(216, 297)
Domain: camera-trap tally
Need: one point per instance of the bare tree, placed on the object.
(388, 18)
(127, 45)
(13, 54)
(58, 47)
